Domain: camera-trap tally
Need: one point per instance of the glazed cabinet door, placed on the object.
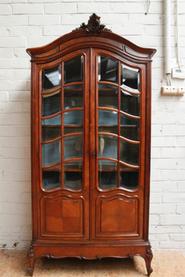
(118, 147)
(64, 148)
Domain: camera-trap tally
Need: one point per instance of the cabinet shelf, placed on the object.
(58, 168)
(121, 126)
(73, 126)
(104, 169)
(52, 126)
(110, 169)
(66, 126)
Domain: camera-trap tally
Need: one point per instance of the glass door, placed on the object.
(118, 124)
(51, 127)
(118, 145)
(64, 123)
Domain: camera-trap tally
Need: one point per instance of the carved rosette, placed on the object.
(93, 26)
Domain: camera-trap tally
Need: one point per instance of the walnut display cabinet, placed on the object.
(90, 122)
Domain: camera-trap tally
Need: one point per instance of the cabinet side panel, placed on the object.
(35, 175)
(147, 148)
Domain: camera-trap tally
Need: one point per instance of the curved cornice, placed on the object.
(92, 34)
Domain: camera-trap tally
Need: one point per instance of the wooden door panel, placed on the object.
(63, 216)
(117, 216)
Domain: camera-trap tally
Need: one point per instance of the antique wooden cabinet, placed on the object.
(90, 121)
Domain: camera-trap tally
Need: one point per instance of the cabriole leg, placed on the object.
(148, 259)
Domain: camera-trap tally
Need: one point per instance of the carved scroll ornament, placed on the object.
(93, 25)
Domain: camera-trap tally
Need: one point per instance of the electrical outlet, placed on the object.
(172, 91)
(178, 73)
(181, 90)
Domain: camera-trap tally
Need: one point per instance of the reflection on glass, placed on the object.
(73, 96)
(129, 152)
(52, 121)
(107, 69)
(108, 96)
(107, 146)
(50, 179)
(73, 70)
(72, 147)
(73, 175)
(130, 103)
(128, 179)
(50, 153)
(107, 118)
(51, 77)
(130, 78)
(50, 132)
(74, 129)
(108, 129)
(50, 104)
(129, 127)
(107, 174)
(73, 118)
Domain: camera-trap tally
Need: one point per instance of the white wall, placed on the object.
(30, 23)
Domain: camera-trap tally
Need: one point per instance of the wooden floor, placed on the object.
(165, 264)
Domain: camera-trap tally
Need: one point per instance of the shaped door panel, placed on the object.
(117, 216)
(63, 216)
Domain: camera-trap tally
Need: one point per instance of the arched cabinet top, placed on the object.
(90, 35)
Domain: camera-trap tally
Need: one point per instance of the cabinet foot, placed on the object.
(148, 259)
(30, 262)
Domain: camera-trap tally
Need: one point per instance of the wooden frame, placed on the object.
(91, 240)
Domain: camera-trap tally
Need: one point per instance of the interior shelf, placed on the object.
(109, 169)
(121, 126)
(58, 168)
(65, 126)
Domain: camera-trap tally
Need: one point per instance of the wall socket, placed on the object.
(178, 73)
(172, 91)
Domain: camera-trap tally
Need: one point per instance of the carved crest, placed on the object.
(93, 25)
